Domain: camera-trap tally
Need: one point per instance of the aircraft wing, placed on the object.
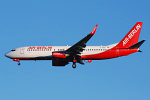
(77, 48)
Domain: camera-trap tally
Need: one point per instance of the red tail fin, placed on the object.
(132, 37)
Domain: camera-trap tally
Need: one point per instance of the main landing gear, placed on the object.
(74, 63)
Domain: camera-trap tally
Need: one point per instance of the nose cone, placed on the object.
(7, 55)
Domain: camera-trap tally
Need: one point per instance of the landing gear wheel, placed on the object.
(19, 63)
(74, 65)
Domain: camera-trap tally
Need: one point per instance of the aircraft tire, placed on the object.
(19, 63)
(74, 66)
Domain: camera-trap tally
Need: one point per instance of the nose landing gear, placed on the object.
(17, 61)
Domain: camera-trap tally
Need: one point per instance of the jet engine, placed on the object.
(59, 54)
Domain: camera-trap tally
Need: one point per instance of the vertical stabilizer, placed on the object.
(132, 37)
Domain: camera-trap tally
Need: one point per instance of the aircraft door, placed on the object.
(117, 50)
(21, 50)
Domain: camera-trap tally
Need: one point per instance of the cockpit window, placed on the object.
(13, 50)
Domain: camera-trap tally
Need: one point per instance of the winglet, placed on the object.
(94, 30)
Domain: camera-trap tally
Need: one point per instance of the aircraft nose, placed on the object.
(7, 55)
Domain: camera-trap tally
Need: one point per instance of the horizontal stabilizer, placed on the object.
(137, 45)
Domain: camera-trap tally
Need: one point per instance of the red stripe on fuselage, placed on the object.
(109, 54)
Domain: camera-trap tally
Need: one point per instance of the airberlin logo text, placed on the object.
(132, 33)
(40, 47)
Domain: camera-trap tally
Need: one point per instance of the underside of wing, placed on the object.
(77, 48)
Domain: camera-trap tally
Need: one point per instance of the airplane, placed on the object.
(79, 52)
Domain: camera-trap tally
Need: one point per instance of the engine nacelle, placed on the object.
(59, 54)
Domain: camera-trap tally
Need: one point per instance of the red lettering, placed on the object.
(31, 48)
(43, 47)
(49, 48)
(40, 47)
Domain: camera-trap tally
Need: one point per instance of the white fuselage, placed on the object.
(46, 51)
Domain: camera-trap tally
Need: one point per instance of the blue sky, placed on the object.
(65, 22)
